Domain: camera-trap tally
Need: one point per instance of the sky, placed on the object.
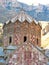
(30, 2)
(35, 2)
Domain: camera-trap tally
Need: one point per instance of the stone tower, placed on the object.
(21, 29)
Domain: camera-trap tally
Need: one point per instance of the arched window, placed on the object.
(37, 41)
(25, 38)
(10, 40)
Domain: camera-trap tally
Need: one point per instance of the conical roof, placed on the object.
(22, 16)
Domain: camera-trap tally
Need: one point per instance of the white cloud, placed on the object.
(35, 2)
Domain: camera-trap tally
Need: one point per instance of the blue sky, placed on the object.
(35, 2)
